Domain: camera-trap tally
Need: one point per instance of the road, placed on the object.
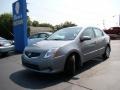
(95, 75)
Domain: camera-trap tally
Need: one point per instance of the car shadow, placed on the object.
(91, 64)
(33, 80)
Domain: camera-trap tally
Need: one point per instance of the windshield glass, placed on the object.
(65, 34)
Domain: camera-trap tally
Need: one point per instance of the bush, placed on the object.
(46, 25)
(6, 25)
(64, 25)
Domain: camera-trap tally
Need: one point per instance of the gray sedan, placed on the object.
(66, 50)
(5, 46)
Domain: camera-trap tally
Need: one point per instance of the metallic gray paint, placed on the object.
(87, 50)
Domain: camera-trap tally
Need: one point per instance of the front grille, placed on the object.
(32, 54)
(32, 66)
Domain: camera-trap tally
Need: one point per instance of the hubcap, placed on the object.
(73, 60)
(107, 51)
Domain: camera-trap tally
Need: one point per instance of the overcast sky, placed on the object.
(78, 11)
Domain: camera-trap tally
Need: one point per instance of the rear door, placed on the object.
(100, 40)
(88, 47)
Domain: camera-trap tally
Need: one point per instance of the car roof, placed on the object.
(84, 26)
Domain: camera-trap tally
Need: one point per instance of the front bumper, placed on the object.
(44, 65)
(7, 48)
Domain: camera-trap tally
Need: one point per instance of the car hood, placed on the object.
(32, 41)
(49, 44)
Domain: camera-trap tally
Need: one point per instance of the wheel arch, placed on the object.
(108, 44)
(77, 56)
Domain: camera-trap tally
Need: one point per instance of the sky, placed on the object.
(81, 12)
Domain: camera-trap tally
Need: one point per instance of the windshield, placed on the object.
(65, 34)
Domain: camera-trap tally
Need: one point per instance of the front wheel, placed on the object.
(4, 54)
(70, 66)
(106, 53)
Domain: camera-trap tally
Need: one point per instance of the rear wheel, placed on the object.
(70, 65)
(106, 53)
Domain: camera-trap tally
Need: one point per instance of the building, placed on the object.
(34, 30)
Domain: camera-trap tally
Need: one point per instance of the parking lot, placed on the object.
(94, 75)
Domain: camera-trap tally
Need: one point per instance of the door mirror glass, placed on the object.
(84, 38)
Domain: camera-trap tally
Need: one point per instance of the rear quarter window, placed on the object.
(98, 32)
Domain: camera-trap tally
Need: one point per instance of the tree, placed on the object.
(64, 25)
(6, 25)
(35, 23)
(29, 23)
(46, 25)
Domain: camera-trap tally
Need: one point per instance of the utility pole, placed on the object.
(103, 23)
(119, 19)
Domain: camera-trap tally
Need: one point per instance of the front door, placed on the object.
(88, 47)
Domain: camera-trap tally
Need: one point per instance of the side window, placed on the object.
(34, 36)
(98, 32)
(43, 35)
(89, 32)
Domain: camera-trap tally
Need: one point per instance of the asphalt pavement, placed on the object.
(94, 75)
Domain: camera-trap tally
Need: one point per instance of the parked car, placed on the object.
(38, 37)
(6, 46)
(66, 50)
(113, 32)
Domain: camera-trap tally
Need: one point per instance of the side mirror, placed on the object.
(84, 38)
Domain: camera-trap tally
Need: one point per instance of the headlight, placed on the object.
(1, 44)
(51, 53)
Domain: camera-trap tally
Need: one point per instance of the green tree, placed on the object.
(46, 25)
(64, 25)
(35, 23)
(29, 23)
(68, 24)
(6, 25)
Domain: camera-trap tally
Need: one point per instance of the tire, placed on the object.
(70, 66)
(106, 53)
(4, 54)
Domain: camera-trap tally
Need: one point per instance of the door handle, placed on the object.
(94, 42)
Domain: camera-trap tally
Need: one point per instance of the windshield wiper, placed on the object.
(55, 39)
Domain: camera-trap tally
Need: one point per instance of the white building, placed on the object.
(34, 30)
